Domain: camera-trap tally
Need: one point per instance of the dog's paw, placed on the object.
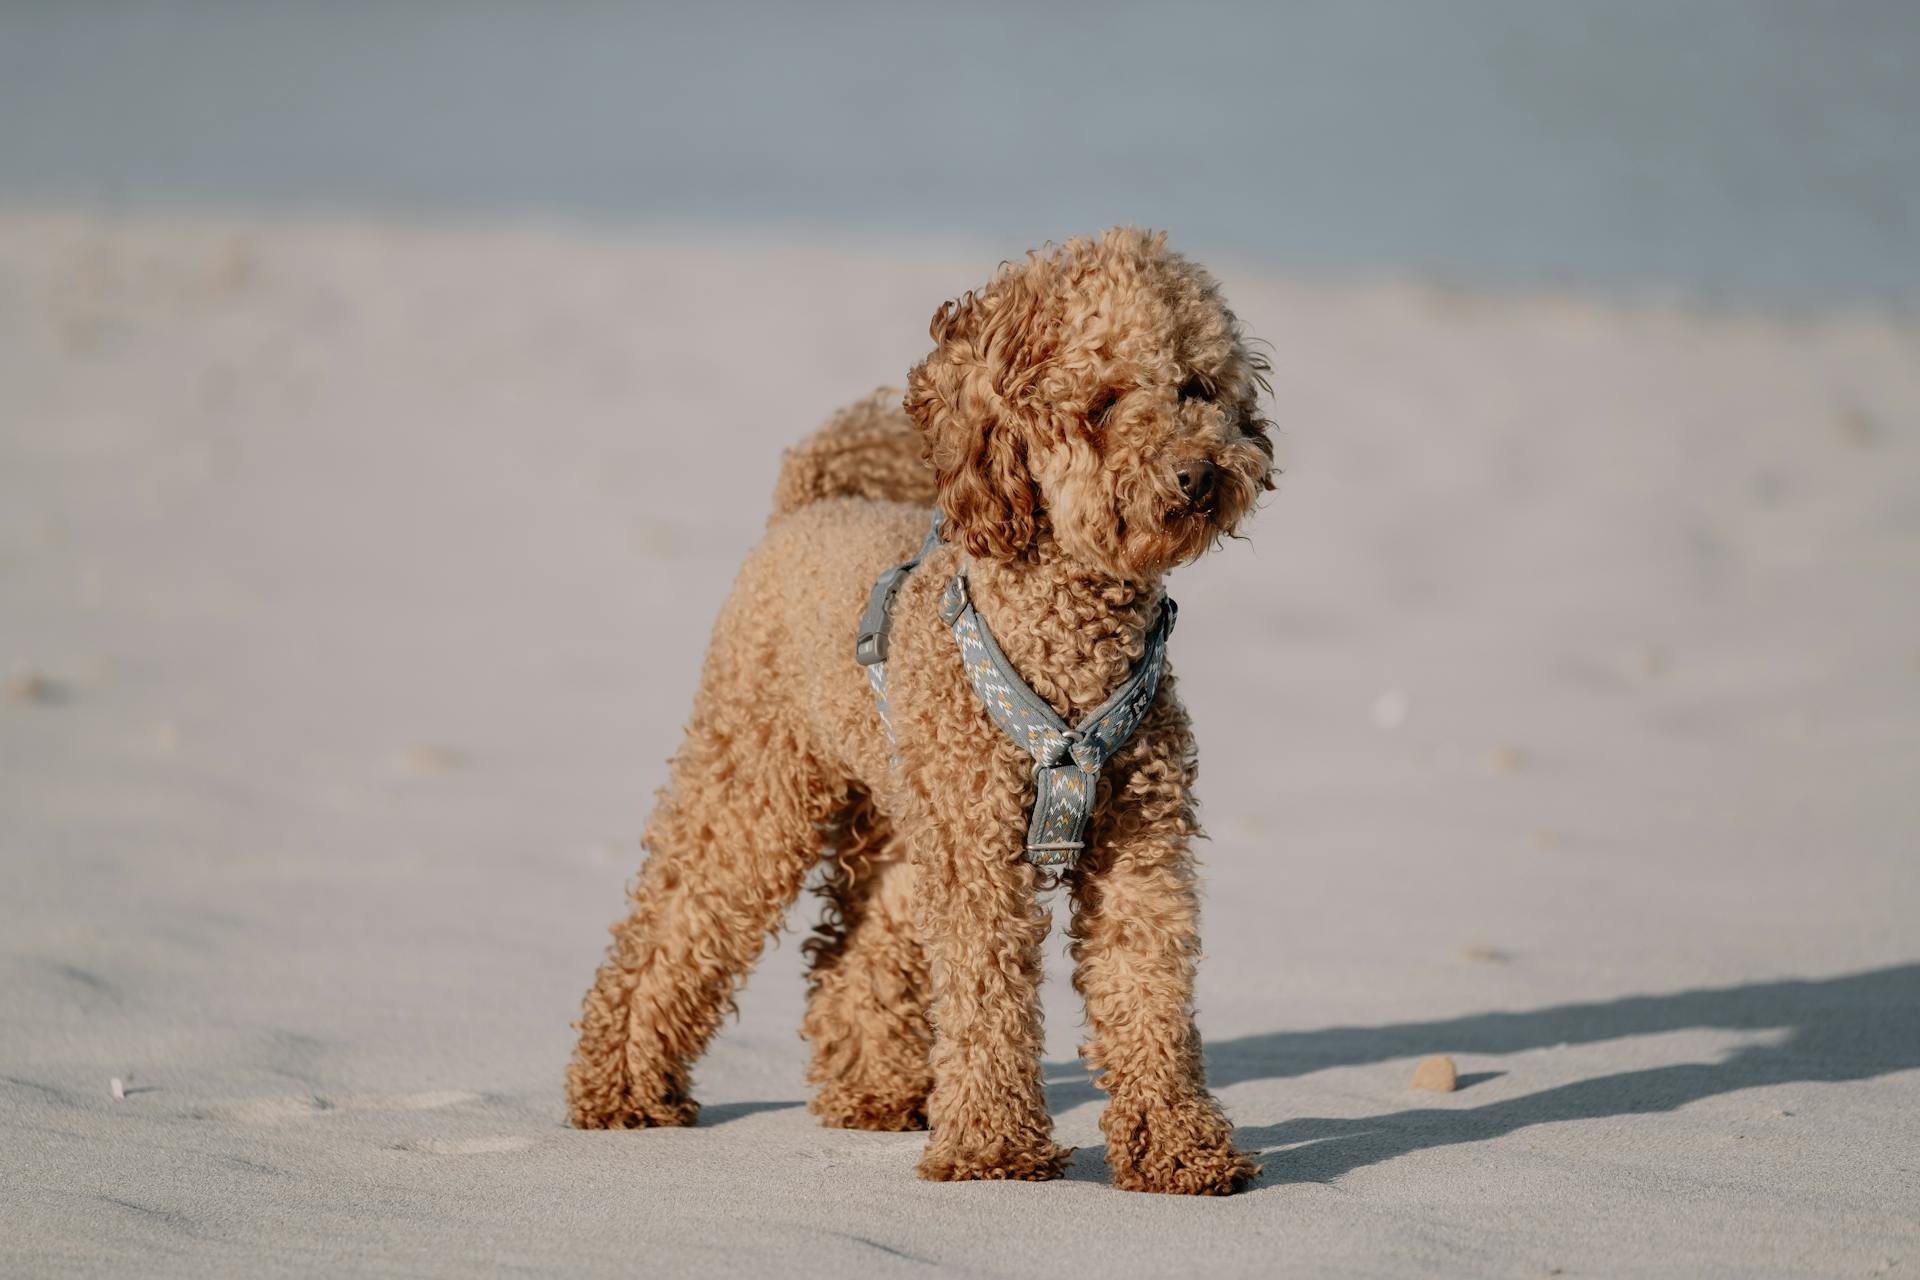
(623, 1110)
(1219, 1171)
(840, 1108)
(995, 1160)
(1186, 1149)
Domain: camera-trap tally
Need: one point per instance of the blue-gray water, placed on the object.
(1737, 149)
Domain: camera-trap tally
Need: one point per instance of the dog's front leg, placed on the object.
(983, 925)
(1136, 941)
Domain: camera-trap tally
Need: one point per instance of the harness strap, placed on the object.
(1067, 760)
(870, 650)
(876, 621)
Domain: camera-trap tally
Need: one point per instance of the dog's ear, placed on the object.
(974, 437)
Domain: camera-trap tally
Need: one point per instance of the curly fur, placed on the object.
(1086, 422)
(866, 450)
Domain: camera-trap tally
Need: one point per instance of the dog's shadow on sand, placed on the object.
(1829, 1030)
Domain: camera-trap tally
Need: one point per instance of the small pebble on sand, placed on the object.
(425, 759)
(1506, 759)
(31, 686)
(1436, 1074)
(1856, 426)
(118, 1088)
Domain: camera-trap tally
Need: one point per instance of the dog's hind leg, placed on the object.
(729, 843)
(867, 983)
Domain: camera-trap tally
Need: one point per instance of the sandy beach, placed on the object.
(1561, 715)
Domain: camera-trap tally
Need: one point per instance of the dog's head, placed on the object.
(1102, 390)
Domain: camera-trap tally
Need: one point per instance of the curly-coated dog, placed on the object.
(1085, 423)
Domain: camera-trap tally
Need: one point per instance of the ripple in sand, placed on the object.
(301, 1106)
(464, 1146)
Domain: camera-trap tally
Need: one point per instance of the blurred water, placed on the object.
(1727, 147)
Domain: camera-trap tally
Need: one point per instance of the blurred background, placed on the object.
(1743, 147)
(390, 391)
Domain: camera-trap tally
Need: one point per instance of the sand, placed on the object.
(1559, 717)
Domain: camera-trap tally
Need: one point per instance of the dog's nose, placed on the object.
(1196, 482)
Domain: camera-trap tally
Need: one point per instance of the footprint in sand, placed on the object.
(267, 1110)
(301, 1106)
(464, 1146)
(429, 1101)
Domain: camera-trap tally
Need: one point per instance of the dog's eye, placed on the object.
(1100, 406)
(1195, 388)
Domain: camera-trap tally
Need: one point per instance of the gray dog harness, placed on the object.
(1067, 760)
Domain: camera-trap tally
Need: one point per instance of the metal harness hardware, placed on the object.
(1067, 760)
(870, 650)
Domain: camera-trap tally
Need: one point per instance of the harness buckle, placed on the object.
(953, 601)
(871, 647)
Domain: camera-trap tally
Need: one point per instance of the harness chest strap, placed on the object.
(1067, 759)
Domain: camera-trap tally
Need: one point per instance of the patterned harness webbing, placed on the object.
(1067, 760)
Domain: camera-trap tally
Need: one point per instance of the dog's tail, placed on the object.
(869, 449)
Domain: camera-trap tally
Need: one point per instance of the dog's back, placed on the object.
(869, 449)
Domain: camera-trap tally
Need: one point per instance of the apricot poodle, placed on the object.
(1085, 423)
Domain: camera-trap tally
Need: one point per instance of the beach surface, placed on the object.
(1562, 715)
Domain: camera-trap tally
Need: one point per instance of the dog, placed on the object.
(1085, 423)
